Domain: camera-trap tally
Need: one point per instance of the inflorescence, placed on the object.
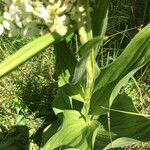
(34, 17)
(30, 17)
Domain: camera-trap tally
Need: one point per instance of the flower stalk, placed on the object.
(85, 34)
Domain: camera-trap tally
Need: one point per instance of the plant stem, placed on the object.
(85, 34)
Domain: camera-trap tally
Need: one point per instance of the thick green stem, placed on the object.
(85, 33)
(84, 21)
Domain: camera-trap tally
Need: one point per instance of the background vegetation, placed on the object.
(27, 93)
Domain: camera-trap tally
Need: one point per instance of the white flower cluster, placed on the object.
(30, 17)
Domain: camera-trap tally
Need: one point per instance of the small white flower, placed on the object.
(1, 29)
(14, 31)
(6, 25)
(62, 18)
(61, 29)
(7, 15)
(81, 9)
(44, 13)
(25, 15)
(52, 1)
(28, 7)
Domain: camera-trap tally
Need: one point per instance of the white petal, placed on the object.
(81, 9)
(1, 29)
(62, 18)
(29, 8)
(6, 25)
(61, 29)
(7, 15)
(44, 13)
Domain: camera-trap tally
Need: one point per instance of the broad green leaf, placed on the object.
(103, 138)
(63, 102)
(104, 141)
(125, 121)
(127, 126)
(114, 76)
(26, 53)
(100, 17)
(18, 139)
(80, 70)
(108, 93)
(122, 142)
(86, 48)
(73, 133)
(136, 54)
(74, 91)
(50, 130)
(85, 52)
(65, 63)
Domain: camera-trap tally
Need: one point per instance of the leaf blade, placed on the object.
(114, 76)
(67, 137)
(26, 53)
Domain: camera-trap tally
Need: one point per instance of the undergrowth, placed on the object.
(26, 94)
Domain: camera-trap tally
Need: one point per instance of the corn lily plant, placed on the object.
(92, 112)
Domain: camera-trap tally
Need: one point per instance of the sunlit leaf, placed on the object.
(121, 142)
(65, 63)
(67, 137)
(26, 53)
(100, 17)
(84, 52)
(114, 76)
(126, 123)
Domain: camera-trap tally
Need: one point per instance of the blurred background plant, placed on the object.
(27, 93)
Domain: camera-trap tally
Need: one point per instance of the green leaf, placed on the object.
(121, 142)
(16, 139)
(73, 133)
(65, 63)
(126, 122)
(114, 76)
(74, 91)
(50, 130)
(85, 52)
(26, 53)
(61, 102)
(103, 138)
(127, 126)
(100, 17)
(87, 47)
(108, 94)
(64, 102)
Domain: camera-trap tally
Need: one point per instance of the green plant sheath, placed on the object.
(26, 53)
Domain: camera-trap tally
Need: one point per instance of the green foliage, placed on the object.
(126, 120)
(19, 140)
(84, 53)
(87, 94)
(126, 65)
(26, 95)
(100, 17)
(26, 53)
(67, 137)
(64, 67)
